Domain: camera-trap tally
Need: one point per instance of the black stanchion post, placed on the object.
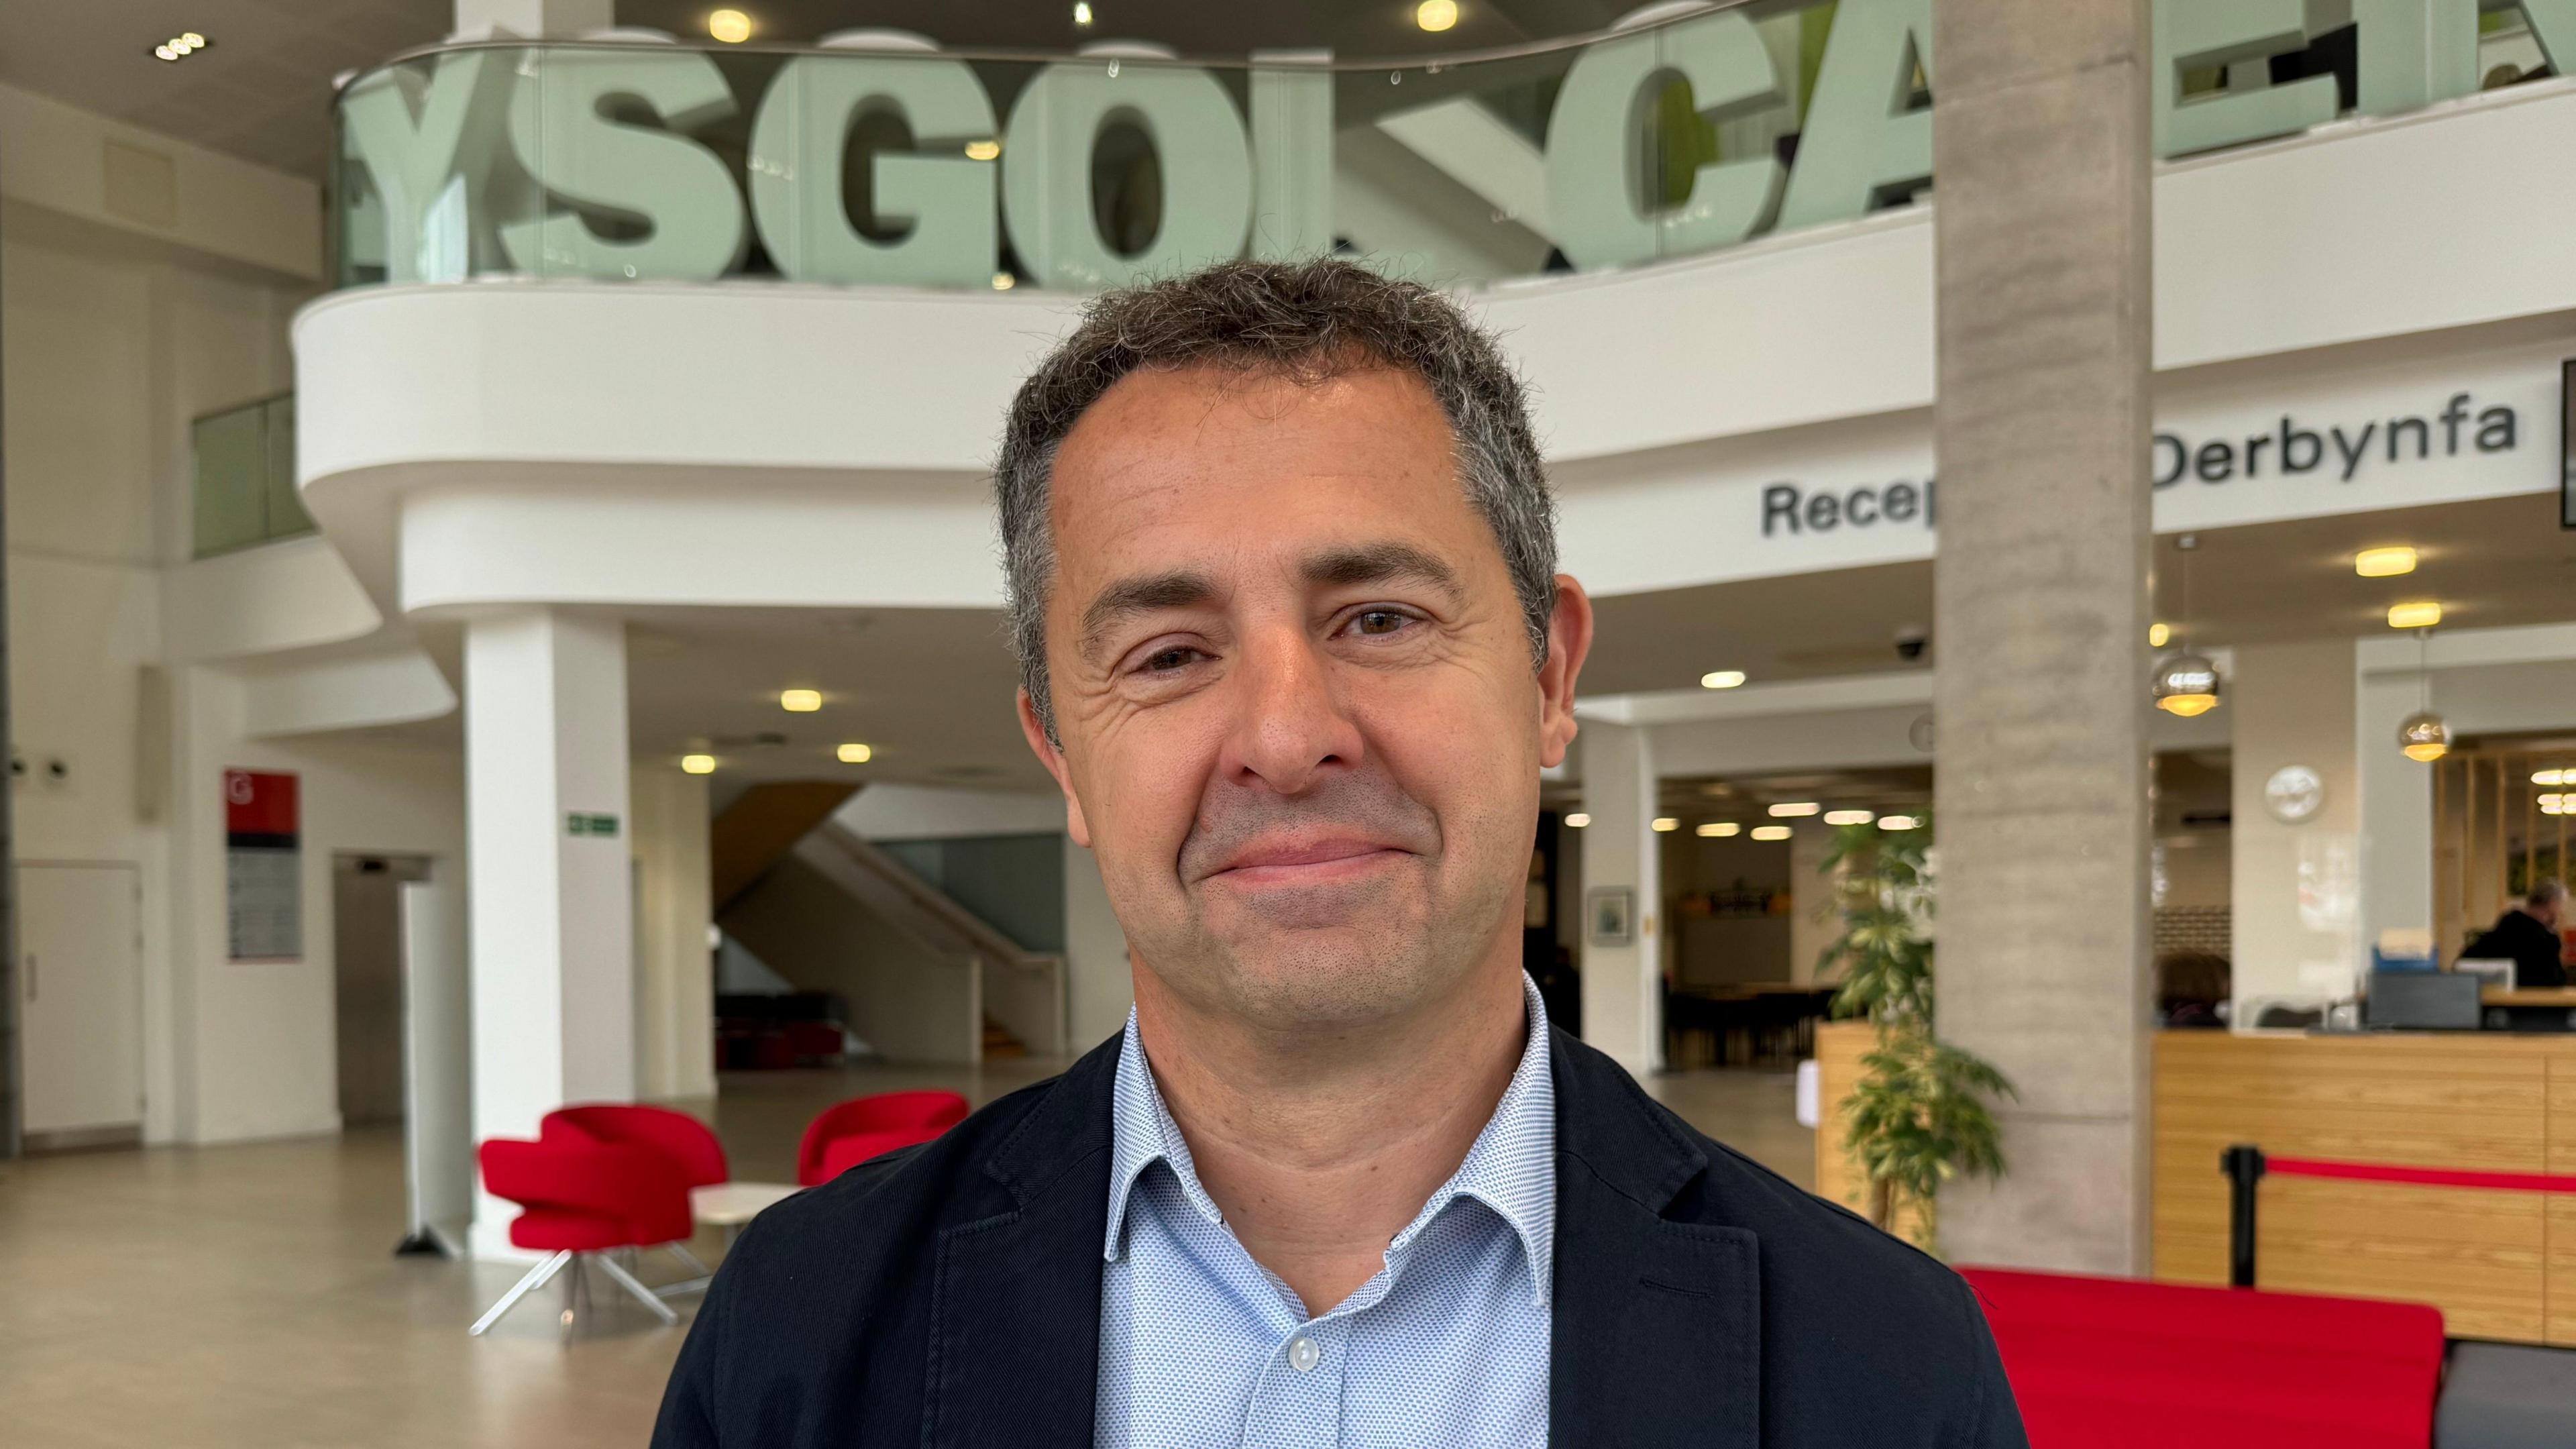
(2244, 1169)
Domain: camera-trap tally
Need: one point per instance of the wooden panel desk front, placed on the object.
(2500, 1265)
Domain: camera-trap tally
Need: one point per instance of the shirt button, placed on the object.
(1303, 1354)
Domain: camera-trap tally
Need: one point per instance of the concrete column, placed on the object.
(1623, 1007)
(551, 885)
(534, 17)
(2040, 139)
(2293, 885)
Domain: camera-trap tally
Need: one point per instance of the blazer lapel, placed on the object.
(1657, 1324)
(1015, 1312)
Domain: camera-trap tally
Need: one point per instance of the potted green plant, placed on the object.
(1919, 1115)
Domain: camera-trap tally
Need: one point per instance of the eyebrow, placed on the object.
(1381, 563)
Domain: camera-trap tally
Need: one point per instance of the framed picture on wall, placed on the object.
(1610, 916)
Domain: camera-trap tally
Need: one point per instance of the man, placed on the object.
(2527, 935)
(1282, 581)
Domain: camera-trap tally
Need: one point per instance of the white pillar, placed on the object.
(1622, 984)
(551, 886)
(534, 17)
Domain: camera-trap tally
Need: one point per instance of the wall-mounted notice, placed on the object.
(263, 867)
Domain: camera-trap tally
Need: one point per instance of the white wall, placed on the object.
(254, 1043)
(926, 812)
(117, 334)
(2294, 887)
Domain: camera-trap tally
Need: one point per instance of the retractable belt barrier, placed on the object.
(2246, 1167)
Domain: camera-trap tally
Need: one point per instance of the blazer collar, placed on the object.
(1657, 1324)
(1015, 1298)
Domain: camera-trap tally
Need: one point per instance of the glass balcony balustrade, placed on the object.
(877, 159)
(245, 477)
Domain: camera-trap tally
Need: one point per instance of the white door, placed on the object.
(80, 988)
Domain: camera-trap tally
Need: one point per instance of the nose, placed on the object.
(1290, 731)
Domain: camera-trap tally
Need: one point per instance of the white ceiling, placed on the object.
(261, 91)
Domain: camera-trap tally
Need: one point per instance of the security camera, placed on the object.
(1911, 641)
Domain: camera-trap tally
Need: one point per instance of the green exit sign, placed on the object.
(580, 823)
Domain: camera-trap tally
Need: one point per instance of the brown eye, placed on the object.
(1168, 659)
(1381, 621)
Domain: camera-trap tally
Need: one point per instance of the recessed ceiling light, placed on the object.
(800, 701)
(1722, 679)
(698, 764)
(2159, 635)
(1577, 820)
(2383, 563)
(1794, 809)
(730, 26)
(1082, 12)
(1897, 822)
(1771, 832)
(1666, 824)
(1850, 817)
(1436, 15)
(2549, 777)
(855, 753)
(180, 46)
(167, 52)
(1004, 281)
(2421, 614)
(1720, 829)
(984, 150)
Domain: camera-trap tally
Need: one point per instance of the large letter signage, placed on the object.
(797, 146)
(428, 172)
(1859, 140)
(1593, 203)
(562, 132)
(1046, 183)
(2223, 32)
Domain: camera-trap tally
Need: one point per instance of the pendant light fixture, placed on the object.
(2424, 736)
(2186, 681)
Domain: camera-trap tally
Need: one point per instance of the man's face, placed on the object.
(1302, 729)
(2549, 913)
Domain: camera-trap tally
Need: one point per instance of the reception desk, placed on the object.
(2500, 1265)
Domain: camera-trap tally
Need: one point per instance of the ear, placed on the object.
(1569, 639)
(1053, 758)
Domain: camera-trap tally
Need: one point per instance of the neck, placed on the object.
(1299, 1140)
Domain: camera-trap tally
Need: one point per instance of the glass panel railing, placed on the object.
(878, 159)
(245, 477)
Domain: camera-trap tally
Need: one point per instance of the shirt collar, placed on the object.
(1510, 1168)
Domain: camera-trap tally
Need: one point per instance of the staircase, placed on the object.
(999, 1044)
(924, 978)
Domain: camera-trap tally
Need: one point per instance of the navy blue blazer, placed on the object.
(949, 1296)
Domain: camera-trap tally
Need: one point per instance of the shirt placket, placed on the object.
(1298, 1402)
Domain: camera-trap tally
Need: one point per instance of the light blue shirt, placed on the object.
(1446, 1345)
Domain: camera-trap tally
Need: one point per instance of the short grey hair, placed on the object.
(2545, 894)
(1310, 321)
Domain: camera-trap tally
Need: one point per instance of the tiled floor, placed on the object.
(247, 1296)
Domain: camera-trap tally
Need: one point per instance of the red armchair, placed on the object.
(676, 1135)
(583, 1200)
(849, 1133)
